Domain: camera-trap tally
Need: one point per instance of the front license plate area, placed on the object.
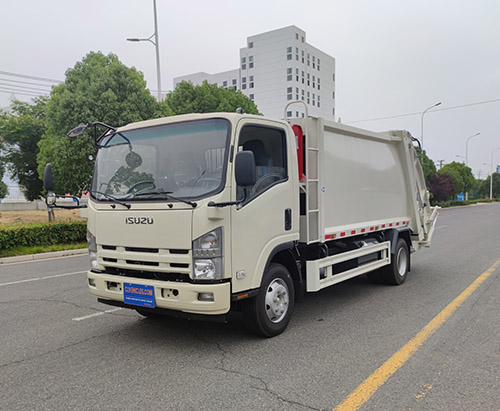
(140, 295)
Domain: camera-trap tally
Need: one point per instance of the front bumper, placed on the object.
(169, 295)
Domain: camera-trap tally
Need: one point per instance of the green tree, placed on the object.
(3, 187)
(207, 98)
(484, 187)
(428, 166)
(99, 88)
(21, 131)
(463, 179)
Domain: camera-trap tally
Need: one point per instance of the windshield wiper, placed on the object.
(109, 197)
(167, 195)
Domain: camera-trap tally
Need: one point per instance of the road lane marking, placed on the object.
(41, 278)
(86, 317)
(441, 226)
(364, 392)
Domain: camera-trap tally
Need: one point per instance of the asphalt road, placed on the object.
(61, 350)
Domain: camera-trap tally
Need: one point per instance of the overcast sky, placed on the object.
(393, 57)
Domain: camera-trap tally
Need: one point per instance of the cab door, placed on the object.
(268, 215)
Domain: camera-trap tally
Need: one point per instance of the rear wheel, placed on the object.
(269, 313)
(397, 271)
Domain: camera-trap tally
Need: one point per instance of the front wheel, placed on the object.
(269, 313)
(396, 272)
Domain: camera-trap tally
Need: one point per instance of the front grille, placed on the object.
(148, 275)
(154, 263)
(142, 250)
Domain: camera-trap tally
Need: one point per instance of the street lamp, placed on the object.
(491, 175)
(467, 149)
(422, 124)
(156, 43)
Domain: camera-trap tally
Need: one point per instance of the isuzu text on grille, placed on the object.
(138, 220)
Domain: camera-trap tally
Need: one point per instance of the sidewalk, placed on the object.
(42, 256)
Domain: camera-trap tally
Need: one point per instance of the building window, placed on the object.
(289, 70)
(243, 66)
(243, 86)
(243, 59)
(250, 65)
(302, 39)
(251, 97)
(289, 97)
(243, 79)
(288, 56)
(333, 95)
(251, 82)
(250, 45)
(333, 76)
(296, 36)
(224, 84)
(288, 49)
(250, 58)
(289, 114)
(234, 82)
(289, 89)
(289, 77)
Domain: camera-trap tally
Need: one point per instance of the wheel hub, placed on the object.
(277, 300)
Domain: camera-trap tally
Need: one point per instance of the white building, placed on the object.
(278, 67)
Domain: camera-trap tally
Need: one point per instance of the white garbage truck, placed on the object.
(195, 215)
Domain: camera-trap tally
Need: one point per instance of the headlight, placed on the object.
(208, 256)
(94, 264)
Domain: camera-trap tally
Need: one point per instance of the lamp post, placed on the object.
(467, 149)
(491, 175)
(156, 43)
(422, 124)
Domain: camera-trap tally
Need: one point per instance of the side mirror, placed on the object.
(78, 130)
(244, 164)
(48, 181)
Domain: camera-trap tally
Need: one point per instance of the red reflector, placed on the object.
(363, 230)
(390, 225)
(342, 234)
(397, 223)
(383, 225)
(353, 232)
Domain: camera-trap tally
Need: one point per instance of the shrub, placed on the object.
(43, 234)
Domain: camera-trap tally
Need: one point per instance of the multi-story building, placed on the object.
(278, 67)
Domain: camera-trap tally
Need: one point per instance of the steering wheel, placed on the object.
(262, 182)
(135, 187)
(208, 182)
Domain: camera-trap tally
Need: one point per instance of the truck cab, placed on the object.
(171, 227)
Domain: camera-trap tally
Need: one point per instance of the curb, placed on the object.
(42, 256)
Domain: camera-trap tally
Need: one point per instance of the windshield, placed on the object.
(174, 161)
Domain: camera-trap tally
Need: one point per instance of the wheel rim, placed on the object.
(277, 300)
(402, 262)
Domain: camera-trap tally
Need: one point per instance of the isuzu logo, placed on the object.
(138, 220)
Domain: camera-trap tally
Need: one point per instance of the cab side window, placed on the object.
(269, 149)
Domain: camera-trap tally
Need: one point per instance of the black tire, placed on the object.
(269, 313)
(396, 272)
